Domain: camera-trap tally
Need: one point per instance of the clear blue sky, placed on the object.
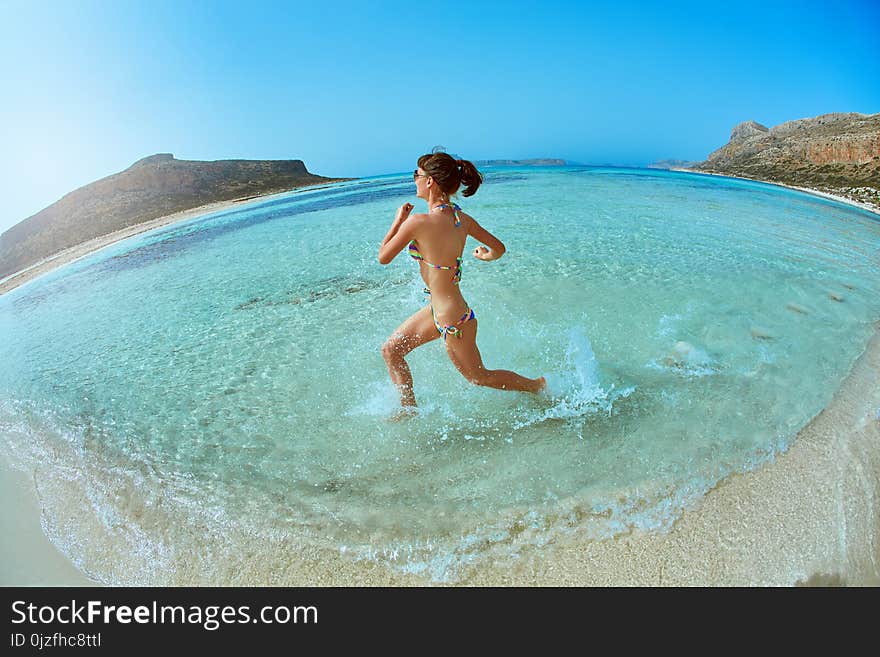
(357, 89)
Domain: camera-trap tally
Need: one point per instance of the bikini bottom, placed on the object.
(451, 329)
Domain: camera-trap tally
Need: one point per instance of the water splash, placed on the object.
(576, 389)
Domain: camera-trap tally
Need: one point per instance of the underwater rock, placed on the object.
(759, 333)
(249, 303)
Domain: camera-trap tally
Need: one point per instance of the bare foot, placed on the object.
(404, 413)
(542, 383)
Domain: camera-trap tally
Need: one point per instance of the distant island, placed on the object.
(535, 162)
(152, 187)
(833, 153)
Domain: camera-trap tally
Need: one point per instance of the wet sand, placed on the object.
(812, 516)
(27, 558)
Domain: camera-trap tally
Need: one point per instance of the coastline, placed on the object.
(807, 190)
(73, 253)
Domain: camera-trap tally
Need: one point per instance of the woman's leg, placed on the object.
(466, 357)
(414, 332)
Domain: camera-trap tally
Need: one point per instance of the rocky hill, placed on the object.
(835, 153)
(152, 187)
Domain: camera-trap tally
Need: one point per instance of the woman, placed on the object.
(436, 241)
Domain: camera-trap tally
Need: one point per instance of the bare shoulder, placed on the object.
(417, 218)
(470, 222)
(415, 221)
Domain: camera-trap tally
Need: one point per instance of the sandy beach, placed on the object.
(808, 190)
(86, 248)
(811, 516)
(27, 558)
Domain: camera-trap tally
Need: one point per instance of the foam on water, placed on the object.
(207, 402)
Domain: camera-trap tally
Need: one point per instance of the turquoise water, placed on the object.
(227, 370)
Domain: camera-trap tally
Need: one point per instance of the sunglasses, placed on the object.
(416, 174)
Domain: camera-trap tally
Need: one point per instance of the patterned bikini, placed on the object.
(449, 329)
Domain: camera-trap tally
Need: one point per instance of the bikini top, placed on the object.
(414, 250)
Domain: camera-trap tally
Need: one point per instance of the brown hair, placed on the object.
(450, 173)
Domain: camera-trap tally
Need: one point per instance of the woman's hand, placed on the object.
(483, 253)
(403, 212)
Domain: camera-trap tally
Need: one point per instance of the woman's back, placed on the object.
(438, 246)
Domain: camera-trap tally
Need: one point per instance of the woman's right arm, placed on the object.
(396, 238)
(495, 247)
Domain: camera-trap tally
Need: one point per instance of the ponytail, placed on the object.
(470, 177)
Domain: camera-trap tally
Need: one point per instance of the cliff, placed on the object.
(151, 187)
(835, 153)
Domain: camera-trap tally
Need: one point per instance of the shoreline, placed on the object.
(73, 253)
(807, 190)
(806, 517)
(30, 559)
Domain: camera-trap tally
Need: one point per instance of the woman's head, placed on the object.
(448, 174)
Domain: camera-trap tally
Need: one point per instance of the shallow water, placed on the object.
(227, 368)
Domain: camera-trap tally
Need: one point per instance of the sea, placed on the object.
(217, 384)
